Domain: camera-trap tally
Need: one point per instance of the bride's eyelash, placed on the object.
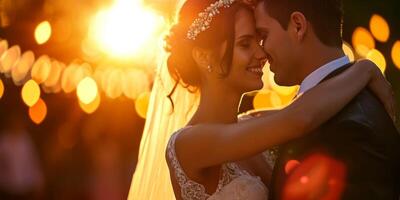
(245, 43)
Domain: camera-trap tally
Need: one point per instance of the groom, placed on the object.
(302, 39)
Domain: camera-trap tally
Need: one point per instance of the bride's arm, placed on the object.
(203, 146)
(257, 113)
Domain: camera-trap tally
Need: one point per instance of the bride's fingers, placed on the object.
(390, 102)
(383, 90)
(395, 107)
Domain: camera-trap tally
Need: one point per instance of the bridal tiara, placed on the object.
(203, 22)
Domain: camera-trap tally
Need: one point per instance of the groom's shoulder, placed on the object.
(365, 109)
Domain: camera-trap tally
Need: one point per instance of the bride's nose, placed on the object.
(260, 53)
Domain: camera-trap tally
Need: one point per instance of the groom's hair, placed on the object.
(325, 16)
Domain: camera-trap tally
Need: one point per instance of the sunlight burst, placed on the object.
(124, 28)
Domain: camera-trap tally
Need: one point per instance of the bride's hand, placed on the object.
(381, 87)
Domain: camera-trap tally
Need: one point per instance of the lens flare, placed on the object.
(319, 176)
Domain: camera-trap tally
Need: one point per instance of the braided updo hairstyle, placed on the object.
(181, 65)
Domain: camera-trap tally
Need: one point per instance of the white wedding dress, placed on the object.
(234, 184)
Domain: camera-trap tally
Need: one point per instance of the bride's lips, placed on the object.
(255, 69)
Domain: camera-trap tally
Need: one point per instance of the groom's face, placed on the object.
(279, 45)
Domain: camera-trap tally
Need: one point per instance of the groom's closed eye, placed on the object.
(263, 35)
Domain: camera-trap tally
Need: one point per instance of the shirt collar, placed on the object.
(319, 74)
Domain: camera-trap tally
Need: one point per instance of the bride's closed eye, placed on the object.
(246, 43)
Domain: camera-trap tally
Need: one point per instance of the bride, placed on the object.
(214, 54)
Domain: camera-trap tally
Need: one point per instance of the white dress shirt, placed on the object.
(318, 75)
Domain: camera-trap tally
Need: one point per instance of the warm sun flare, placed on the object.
(125, 28)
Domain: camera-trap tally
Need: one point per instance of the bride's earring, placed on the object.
(209, 68)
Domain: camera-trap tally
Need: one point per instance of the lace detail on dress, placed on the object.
(191, 190)
(270, 156)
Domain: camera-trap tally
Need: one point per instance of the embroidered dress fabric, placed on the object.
(235, 184)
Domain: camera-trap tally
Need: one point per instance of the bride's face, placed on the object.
(248, 56)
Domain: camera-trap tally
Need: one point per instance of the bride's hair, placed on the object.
(181, 65)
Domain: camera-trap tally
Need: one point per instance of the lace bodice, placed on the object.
(191, 190)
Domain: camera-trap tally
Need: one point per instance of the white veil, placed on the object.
(151, 178)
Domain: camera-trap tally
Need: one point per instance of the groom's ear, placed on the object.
(299, 25)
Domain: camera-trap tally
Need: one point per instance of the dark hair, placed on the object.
(325, 16)
(181, 64)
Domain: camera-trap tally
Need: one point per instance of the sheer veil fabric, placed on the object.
(151, 179)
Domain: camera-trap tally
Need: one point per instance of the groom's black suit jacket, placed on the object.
(363, 137)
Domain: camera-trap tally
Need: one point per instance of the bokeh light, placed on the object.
(266, 99)
(73, 74)
(112, 83)
(363, 41)
(142, 104)
(87, 90)
(135, 83)
(1, 88)
(396, 54)
(43, 32)
(378, 58)
(379, 28)
(20, 71)
(3, 47)
(9, 58)
(92, 106)
(41, 69)
(123, 29)
(38, 112)
(55, 74)
(348, 51)
(30, 93)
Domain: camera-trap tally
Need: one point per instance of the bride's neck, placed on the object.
(217, 105)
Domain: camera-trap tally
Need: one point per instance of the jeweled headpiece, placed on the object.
(203, 22)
